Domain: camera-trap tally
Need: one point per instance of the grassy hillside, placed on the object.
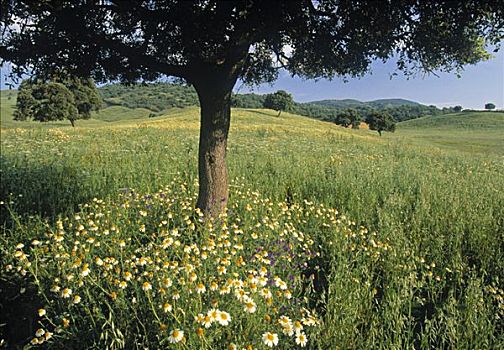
(462, 120)
(411, 256)
(351, 103)
(469, 132)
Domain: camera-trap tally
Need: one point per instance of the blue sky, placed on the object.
(478, 85)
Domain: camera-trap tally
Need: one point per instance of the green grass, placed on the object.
(468, 132)
(438, 205)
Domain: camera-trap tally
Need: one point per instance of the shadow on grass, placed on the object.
(43, 189)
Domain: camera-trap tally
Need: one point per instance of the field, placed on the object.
(392, 242)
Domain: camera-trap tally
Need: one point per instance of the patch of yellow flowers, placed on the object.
(152, 270)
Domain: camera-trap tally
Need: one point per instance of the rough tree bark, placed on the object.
(215, 103)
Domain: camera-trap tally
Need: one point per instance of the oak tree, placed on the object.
(63, 97)
(211, 44)
(278, 101)
(381, 121)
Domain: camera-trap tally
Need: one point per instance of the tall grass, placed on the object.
(439, 282)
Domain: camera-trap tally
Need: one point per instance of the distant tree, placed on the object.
(278, 101)
(457, 109)
(489, 106)
(62, 98)
(347, 117)
(213, 44)
(381, 121)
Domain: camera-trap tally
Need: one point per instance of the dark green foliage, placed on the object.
(278, 101)
(156, 97)
(348, 117)
(381, 121)
(457, 109)
(62, 98)
(489, 106)
(247, 100)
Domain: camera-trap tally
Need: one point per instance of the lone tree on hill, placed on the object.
(348, 117)
(68, 98)
(381, 121)
(489, 106)
(279, 101)
(457, 109)
(211, 44)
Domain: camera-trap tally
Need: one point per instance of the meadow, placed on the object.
(334, 238)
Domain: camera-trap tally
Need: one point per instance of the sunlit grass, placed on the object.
(416, 259)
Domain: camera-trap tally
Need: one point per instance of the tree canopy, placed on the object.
(489, 106)
(61, 98)
(381, 121)
(212, 44)
(279, 101)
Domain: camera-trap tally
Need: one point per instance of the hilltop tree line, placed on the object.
(72, 99)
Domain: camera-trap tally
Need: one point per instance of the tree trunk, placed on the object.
(215, 105)
(72, 122)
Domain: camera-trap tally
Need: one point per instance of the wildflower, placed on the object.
(250, 306)
(270, 339)
(176, 336)
(42, 312)
(288, 329)
(199, 318)
(224, 318)
(66, 293)
(200, 331)
(66, 322)
(167, 307)
(284, 321)
(123, 284)
(127, 275)
(48, 335)
(40, 332)
(298, 326)
(36, 242)
(146, 286)
(207, 322)
(20, 246)
(200, 288)
(85, 270)
(266, 293)
(77, 299)
(221, 270)
(301, 339)
(213, 314)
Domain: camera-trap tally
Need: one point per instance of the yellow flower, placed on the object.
(146, 286)
(40, 332)
(77, 299)
(41, 312)
(123, 284)
(224, 318)
(176, 336)
(66, 293)
(270, 339)
(167, 307)
(301, 339)
(66, 322)
(207, 322)
(200, 288)
(250, 306)
(85, 270)
(200, 332)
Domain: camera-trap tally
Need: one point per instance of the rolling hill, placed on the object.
(351, 103)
